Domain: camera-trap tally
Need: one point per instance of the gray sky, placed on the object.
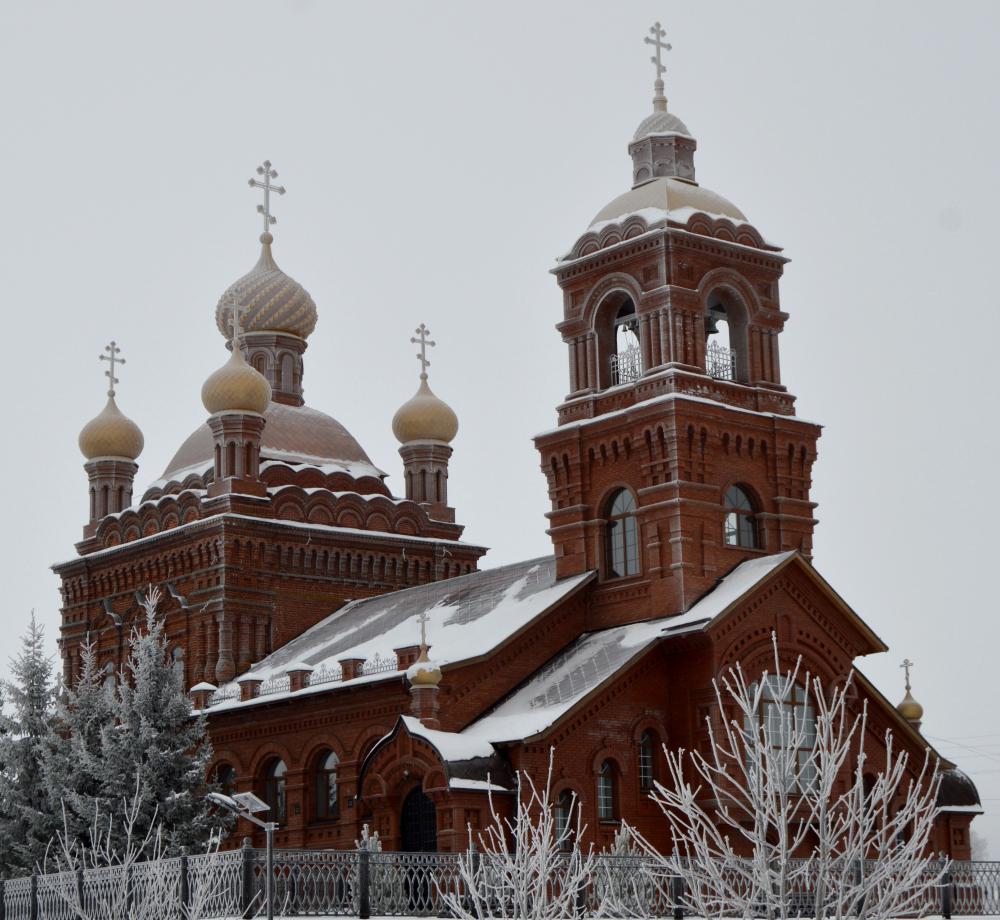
(438, 156)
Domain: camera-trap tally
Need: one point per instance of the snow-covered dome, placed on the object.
(236, 387)
(660, 123)
(668, 193)
(271, 300)
(111, 434)
(424, 417)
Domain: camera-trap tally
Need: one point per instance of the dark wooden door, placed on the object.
(418, 824)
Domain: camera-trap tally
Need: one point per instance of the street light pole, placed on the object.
(243, 805)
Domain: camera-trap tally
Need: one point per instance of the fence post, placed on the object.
(33, 907)
(79, 888)
(946, 896)
(3, 900)
(471, 902)
(185, 884)
(677, 895)
(246, 878)
(364, 893)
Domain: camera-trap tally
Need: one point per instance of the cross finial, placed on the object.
(658, 33)
(235, 323)
(265, 170)
(422, 620)
(906, 665)
(422, 340)
(111, 356)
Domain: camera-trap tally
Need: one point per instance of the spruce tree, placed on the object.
(27, 821)
(156, 739)
(74, 763)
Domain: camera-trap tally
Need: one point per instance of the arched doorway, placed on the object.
(418, 823)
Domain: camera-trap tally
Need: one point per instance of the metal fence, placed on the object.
(349, 883)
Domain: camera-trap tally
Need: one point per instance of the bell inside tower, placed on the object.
(626, 362)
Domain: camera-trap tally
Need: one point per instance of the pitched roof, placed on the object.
(467, 616)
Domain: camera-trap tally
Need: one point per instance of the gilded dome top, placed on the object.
(271, 300)
(909, 708)
(111, 434)
(424, 417)
(424, 672)
(236, 387)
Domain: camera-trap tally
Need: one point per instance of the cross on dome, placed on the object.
(906, 664)
(422, 620)
(658, 33)
(422, 333)
(268, 173)
(111, 356)
(235, 323)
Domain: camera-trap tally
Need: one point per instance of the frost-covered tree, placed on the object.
(529, 867)
(74, 765)
(26, 821)
(781, 816)
(156, 738)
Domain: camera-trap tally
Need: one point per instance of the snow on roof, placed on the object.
(559, 685)
(467, 616)
(477, 785)
(669, 397)
(595, 657)
(451, 746)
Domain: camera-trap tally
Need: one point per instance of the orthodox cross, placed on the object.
(422, 620)
(236, 321)
(906, 665)
(658, 33)
(265, 208)
(112, 358)
(424, 342)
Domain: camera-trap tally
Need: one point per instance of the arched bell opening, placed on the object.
(726, 353)
(619, 349)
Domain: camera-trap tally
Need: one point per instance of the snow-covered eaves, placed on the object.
(666, 398)
(467, 617)
(962, 809)
(476, 785)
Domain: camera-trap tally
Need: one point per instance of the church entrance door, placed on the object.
(418, 824)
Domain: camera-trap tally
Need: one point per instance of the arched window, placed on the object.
(287, 372)
(626, 359)
(274, 790)
(607, 792)
(647, 760)
(726, 355)
(327, 805)
(788, 720)
(565, 827)
(741, 521)
(225, 778)
(622, 550)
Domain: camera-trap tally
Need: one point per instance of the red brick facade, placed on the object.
(252, 565)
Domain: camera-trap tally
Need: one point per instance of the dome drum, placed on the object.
(660, 155)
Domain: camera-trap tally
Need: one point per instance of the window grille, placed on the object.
(720, 361)
(626, 366)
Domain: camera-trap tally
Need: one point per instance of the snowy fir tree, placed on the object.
(155, 742)
(27, 821)
(74, 765)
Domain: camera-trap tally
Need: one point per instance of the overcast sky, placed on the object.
(438, 156)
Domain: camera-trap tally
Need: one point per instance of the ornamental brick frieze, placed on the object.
(697, 247)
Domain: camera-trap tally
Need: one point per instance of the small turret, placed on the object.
(111, 443)
(425, 426)
(425, 678)
(908, 707)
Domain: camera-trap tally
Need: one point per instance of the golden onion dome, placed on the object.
(424, 417)
(111, 434)
(236, 387)
(910, 709)
(270, 300)
(423, 672)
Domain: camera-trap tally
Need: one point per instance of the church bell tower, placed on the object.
(677, 453)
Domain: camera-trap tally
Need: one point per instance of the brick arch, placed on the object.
(609, 753)
(228, 756)
(270, 751)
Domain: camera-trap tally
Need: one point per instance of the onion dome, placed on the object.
(271, 301)
(423, 672)
(957, 791)
(111, 434)
(236, 387)
(424, 417)
(909, 708)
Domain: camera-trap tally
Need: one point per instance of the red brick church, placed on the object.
(299, 589)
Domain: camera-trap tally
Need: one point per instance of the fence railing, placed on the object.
(350, 883)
